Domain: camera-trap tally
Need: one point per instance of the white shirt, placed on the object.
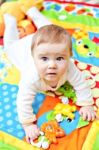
(20, 54)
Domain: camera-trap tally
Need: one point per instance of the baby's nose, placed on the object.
(52, 65)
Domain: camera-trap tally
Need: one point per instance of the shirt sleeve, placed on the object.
(19, 52)
(25, 97)
(80, 85)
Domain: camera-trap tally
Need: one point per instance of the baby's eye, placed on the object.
(44, 58)
(59, 58)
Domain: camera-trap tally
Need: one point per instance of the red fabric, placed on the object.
(81, 3)
(1, 41)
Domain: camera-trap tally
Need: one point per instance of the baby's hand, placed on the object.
(87, 113)
(31, 131)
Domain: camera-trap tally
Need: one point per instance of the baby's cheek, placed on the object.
(64, 67)
(41, 71)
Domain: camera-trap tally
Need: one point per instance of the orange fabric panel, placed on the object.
(73, 141)
(48, 104)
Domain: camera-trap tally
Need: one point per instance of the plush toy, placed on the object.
(26, 27)
(50, 131)
(67, 91)
(1, 24)
(17, 9)
(65, 109)
(26, 4)
(14, 9)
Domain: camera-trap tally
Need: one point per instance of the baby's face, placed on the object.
(51, 61)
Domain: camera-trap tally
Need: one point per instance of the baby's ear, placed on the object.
(70, 50)
(71, 54)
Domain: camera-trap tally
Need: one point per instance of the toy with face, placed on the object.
(26, 27)
(65, 109)
(86, 48)
(49, 132)
(52, 130)
(17, 9)
(67, 124)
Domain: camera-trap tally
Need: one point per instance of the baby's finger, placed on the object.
(27, 139)
(84, 116)
(89, 116)
(33, 136)
(93, 116)
(80, 112)
(37, 132)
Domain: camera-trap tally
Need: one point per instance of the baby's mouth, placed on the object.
(51, 73)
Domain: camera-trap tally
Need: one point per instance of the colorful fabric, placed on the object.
(8, 142)
(83, 24)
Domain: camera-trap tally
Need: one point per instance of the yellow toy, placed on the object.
(14, 9)
(17, 9)
(26, 4)
(65, 109)
(1, 24)
(26, 27)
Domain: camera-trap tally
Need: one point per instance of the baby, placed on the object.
(44, 61)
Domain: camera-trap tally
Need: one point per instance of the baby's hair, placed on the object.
(51, 34)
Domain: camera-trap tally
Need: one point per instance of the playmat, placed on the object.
(83, 24)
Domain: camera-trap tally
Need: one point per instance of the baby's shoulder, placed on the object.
(71, 64)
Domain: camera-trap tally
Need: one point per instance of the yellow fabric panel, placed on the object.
(16, 142)
(88, 144)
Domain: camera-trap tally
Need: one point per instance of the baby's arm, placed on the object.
(19, 50)
(11, 34)
(83, 92)
(25, 99)
(38, 19)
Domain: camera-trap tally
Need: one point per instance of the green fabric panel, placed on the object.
(4, 146)
(96, 143)
(81, 19)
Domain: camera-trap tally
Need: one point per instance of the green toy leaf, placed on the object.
(67, 91)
